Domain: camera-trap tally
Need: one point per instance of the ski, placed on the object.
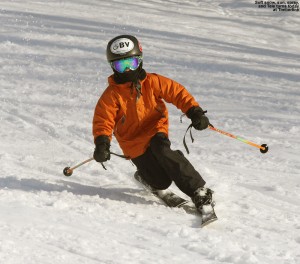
(208, 215)
(171, 199)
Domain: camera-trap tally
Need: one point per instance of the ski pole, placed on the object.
(69, 171)
(263, 148)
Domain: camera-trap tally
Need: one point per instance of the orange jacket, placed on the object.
(135, 120)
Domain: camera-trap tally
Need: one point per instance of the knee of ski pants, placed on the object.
(159, 144)
(151, 171)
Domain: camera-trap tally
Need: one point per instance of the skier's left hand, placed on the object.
(198, 117)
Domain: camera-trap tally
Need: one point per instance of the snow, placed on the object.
(242, 64)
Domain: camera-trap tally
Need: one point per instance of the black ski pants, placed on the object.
(160, 165)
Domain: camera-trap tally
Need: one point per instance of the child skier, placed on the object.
(132, 108)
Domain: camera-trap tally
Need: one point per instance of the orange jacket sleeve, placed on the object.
(175, 93)
(105, 114)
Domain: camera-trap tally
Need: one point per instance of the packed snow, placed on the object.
(242, 64)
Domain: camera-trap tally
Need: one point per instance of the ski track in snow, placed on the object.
(240, 62)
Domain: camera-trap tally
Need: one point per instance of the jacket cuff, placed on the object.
(102, 140)
(193, 110)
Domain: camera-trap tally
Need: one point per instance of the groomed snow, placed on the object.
(241, 63)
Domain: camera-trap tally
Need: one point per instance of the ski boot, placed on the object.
(205, 205)
(167, 196)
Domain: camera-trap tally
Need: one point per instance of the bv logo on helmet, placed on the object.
(121, 46)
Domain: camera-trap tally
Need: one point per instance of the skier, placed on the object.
(132, 108)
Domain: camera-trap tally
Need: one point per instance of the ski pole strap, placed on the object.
(103, 165)
(119, 155)
(182, 117)
(184, 142)
(190, 128)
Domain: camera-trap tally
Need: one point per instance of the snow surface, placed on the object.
(240, 62)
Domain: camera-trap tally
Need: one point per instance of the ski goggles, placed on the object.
(131, 63)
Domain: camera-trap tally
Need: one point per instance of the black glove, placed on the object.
(102, 152)
(198, 117)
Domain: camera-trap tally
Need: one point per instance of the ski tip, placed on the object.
(209, 221)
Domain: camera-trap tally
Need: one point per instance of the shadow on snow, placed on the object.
(32, 185)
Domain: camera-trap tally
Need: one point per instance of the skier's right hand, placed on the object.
(102, 152)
